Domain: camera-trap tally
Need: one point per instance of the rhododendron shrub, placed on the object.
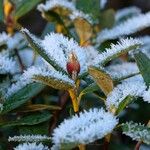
(83, 84)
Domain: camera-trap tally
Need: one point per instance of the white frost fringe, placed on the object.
(85, 128)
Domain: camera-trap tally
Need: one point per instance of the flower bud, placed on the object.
(73, 66)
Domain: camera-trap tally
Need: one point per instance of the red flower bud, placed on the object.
(73, 66)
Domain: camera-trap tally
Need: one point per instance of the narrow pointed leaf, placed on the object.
(143, 63)
(28, 120)
(37, 107)
(35, 44)
(24, 7)
(89, 89)
(54, 82)
(128, 100)
(21, 97)
(102, 79)
(137, 131)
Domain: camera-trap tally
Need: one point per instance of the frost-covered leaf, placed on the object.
(24, 7)
(122, 47)
(102, 79)
(122, 71)
(143, 63)
(56, 50)
(133, 86)
(21, 96)
(79, 130)
(28, 120)
(61, 7)
(36, 45)
(128, 27)
(125, 13)
(31, 146)
(45, 75)
(53, 82)
(1, 11)
(29, 138)
(137, 131)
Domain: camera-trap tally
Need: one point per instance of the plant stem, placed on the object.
(82, 147)
(106, 142)
(73, 96)
(19, 59)
(137, 146)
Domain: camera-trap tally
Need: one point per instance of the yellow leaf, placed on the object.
(102, 79)
(84, 31)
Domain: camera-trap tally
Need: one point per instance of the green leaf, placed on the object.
(137, 131)
(37, 107)
(28, 120)
(54, 82)
(1, 11)
(37, 47)
(41, 129)
(128, 100)
(21, 97)
(107, 18)
(24, 7)
(102, 79)
(91, 7)
(143, 63)
(89, 89)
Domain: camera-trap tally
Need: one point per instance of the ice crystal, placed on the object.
(127, 27)
(137, 132)
(146, 96)
(31, 146)
(7, 64)
(115, 49)
(85, 128)
(29, 138)
(79, 14)
(130, 87)
(3, 38)
(122, 70)
(50, 4)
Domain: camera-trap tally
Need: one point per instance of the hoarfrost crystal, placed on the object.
(50, 4)
(130, 87)
(29, 138)
(137, 132)
(128, 27)
(31, 146)
(85, 128)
